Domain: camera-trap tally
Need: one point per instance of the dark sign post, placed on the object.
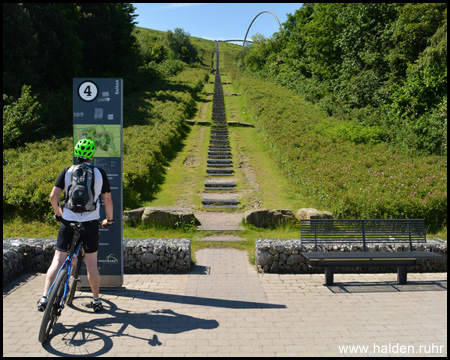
(98, 115)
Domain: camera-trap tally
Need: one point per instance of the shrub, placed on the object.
(29, 174)
(350, 131)
(21, 120)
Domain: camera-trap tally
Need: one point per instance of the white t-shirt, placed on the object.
(101, 186)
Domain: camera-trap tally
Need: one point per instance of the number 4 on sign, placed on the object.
(88, 91)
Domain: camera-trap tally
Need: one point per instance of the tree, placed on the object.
(59, 51)
(109, 48)
(180, 47)
(21, 120)
(20, 46)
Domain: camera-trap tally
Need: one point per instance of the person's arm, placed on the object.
(107, 199)
(57, 190)
(54, 199)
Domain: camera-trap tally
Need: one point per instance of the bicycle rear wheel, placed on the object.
(53, 309)
(74, 280)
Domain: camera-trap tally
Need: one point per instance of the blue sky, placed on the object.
(214, 21)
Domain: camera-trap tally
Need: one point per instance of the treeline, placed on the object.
(378, 65)
(46, 45)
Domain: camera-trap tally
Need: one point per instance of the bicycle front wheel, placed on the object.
(74, 280)
(53, 309)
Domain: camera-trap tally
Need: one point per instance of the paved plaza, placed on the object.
(223, 307)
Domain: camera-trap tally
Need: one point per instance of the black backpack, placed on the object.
(80, 193)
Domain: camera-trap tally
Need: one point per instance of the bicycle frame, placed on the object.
(64, 291)
(68, 265)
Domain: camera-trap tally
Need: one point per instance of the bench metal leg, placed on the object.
(402, 275)
(329, 276)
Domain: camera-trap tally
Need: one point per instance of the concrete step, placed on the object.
(220, 156)
(219, 148)
(219, 206)
(217, 185)
(215, 142)
(223, 146)
(220, 237)
(220, 203)
(220, 172)
(218, 117)
(219, 152)
(219, 166)
(219, 162)
(219, 189)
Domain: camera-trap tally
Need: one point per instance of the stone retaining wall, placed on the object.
(143, 256)
(284, 256)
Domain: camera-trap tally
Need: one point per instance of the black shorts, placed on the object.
(89, 236)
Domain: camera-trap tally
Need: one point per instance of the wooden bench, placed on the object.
(326, 233)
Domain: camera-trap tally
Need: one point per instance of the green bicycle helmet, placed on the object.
(85, 148)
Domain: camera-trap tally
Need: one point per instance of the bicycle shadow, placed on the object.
(94, 337)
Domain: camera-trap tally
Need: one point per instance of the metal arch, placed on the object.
(265, 11)
(235, 40)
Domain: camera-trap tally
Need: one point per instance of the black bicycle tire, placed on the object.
(50, 314)
(75, 274)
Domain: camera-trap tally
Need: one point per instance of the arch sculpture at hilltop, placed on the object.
(265, 11)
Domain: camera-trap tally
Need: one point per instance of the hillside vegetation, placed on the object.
(380, 67)
(351, 180)
(161, 80)
(349, 142)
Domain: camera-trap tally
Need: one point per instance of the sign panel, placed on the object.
(98, 115)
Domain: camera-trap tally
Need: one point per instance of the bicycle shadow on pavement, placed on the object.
(95, 337)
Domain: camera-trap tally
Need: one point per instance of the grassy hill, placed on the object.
(351, 178)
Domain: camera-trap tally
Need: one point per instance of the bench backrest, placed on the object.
(363, 231)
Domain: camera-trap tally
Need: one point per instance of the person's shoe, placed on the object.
(42, 303)
(96, 306)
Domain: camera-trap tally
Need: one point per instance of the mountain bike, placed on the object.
(62, 290)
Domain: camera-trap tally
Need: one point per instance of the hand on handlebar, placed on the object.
(107, 223)
(58, 218)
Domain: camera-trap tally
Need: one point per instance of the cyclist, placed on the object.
(84, 151)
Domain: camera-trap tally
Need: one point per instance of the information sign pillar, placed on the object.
(98, 115)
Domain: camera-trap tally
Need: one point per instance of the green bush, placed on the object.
(170, 67)
(350, 131)
(21, 120)
(29, 174)
(180, 47)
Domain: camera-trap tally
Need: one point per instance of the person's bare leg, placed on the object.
(58, 260)
(92, 273)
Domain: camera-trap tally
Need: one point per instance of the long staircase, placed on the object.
(219, 163)
(220, 183)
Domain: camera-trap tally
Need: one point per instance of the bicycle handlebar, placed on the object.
(60, 218)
